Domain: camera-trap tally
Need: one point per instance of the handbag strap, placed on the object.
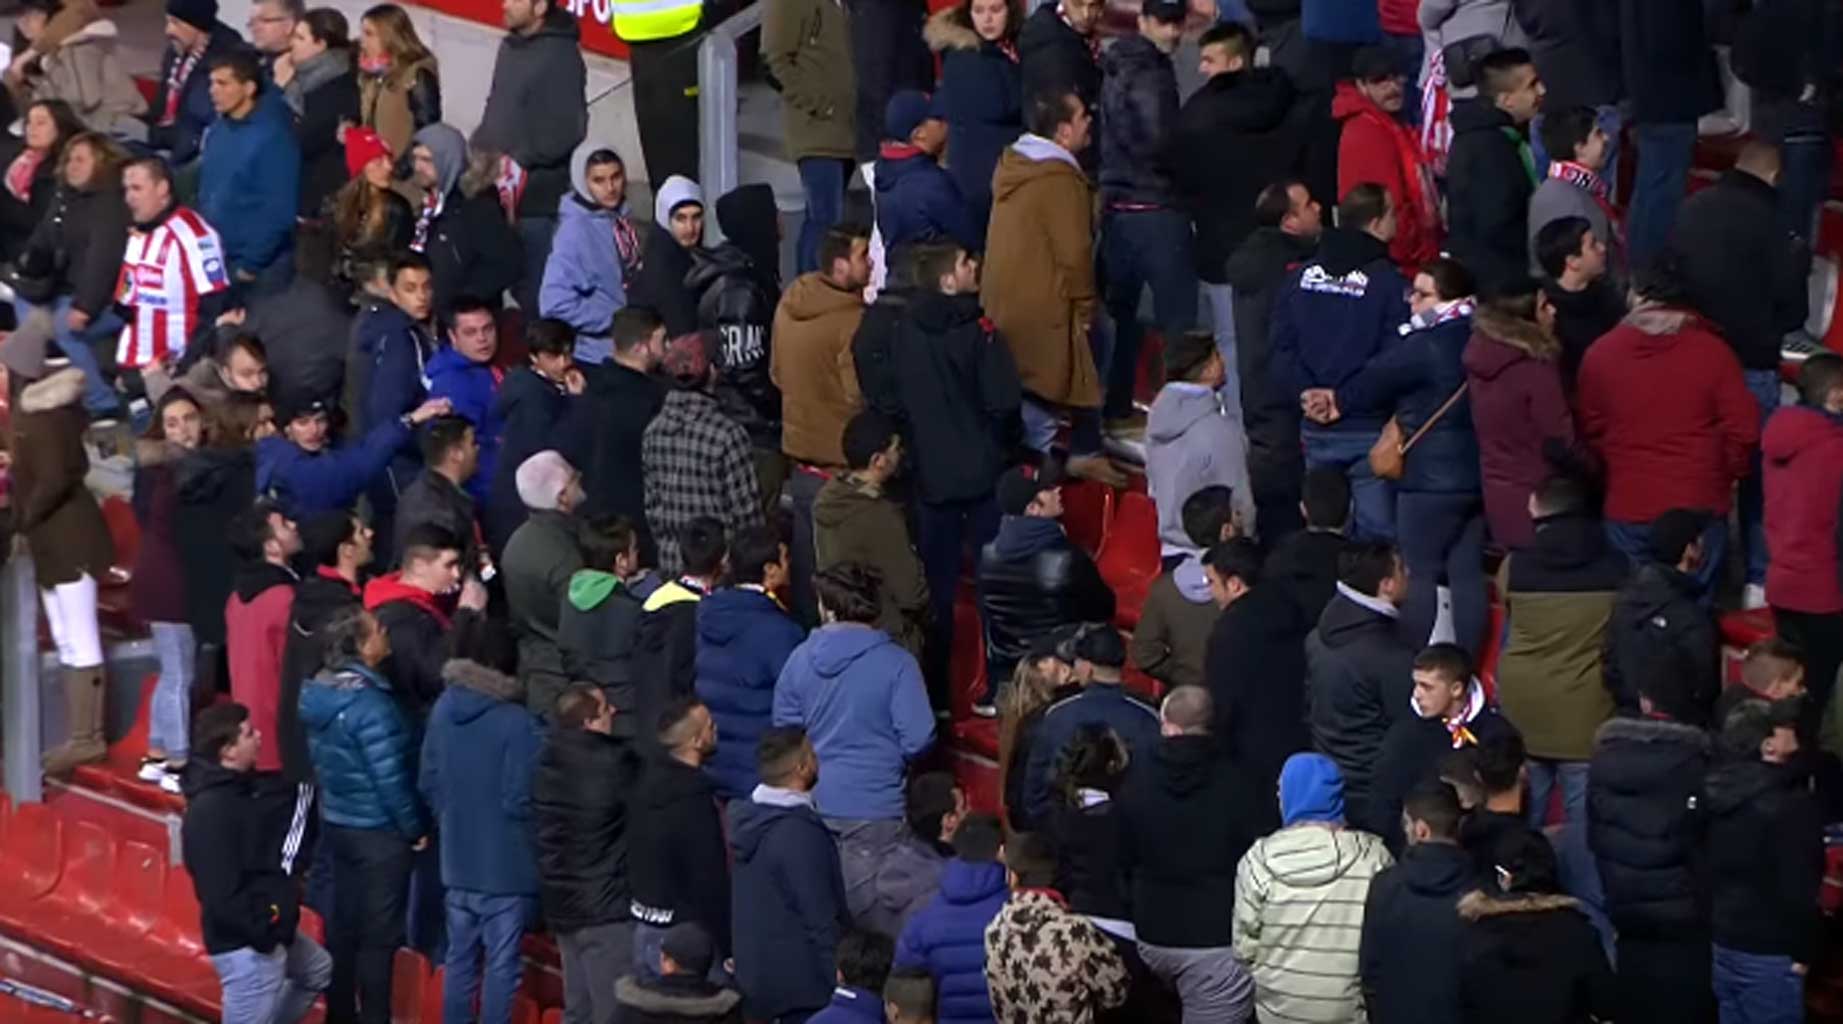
(1435, 418)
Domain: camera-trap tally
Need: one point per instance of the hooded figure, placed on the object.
(661, 284)
(461, 229)
(789, 900)
(737, 286)
(584, 283)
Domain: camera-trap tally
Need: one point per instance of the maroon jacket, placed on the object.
(1518, 412)
(1803, 463)
(1664, 406)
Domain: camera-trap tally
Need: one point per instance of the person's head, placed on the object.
(1208, 516)
(1376, 74)
(487, 641)
(604, 178)
(913, 117)
(1094, 759)
(412, 285)
(1030, 860)
(1368, 208)
(337, 540)
(1226, 48)
(1193, 358)
(1233, 568)
(1508, 81)
(431, 559)
(586, 708)
(1161, 22)
(1026, 492)
(1774, 670)
(863, 959)
(319, 30)
(473, 329)
(1430, 813)
(678, 208)
(1442, 677)
(1573, 133)
(238, 421)
(908, 995)
(993, 20)
(873, 446)
(304, 422)
(689, 361)
(1520, 311)
(1325, 499)
(609, 544)
(354, 638)
(639, 337)
(547, 482)
(1311, 789)
(523, 17)
(978, 838)
(784, 758)
(1084, 16)
(849, 592)
(450, 447)
(1499, 765)
(550, 344)
(1459, 769)
(1060, 115)
(1568, 246)
(33, 16)
(1559, 495)
(1761, 159)
(223, 735)
(1756, 730)
(1663, 281)
(686, 730)
(1048, 665)
(49, 125)
(844, 256)
(1374, 569)
(702, 547)
(1187, 711)
(385, 31)
(1676, 538)
(945, 267)
(934, 807)
(244, 365)
(1100, 653)
(686, 948)
(271, 24)
(1524, 862)
(236, 80)
(92, 161)
(1439, 281)
(261, 533)
(189, 23)
(1289, 206)
(759, 556)
(1820, 382)
(147, 188)
(178, 419)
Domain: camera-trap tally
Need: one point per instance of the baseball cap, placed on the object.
(1020, 485)
(1101, 644)
(1372, 64)
(906, 111)
(1058, 643)
(291, 407)
(1167, 11)
(689, 947)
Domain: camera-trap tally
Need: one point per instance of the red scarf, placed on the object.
(390, 587)
(19, 173)
(176, 85)
(511, 185)
(627, 246)
(431, 209)
(1585, 179)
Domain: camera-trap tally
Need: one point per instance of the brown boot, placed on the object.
(83, 694)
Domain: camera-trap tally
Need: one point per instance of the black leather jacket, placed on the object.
(733, 301)
(1032, 579)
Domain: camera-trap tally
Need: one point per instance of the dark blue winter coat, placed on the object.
(1108, 704)
(473, 389)
(363, 748)
(477, 759)
(788, 907)
(948, 938)
(394, 352)
(917, 201)
(249, 184)
(1334, 314)
(531, 407)
(744, 639)
(851, 1006)
(981, 93)
(1410, 379)
(307, 483)
(1341, 21)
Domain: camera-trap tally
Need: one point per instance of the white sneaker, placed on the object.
(985, 710)
(1753, 596)
(153, 769)
(170, 783)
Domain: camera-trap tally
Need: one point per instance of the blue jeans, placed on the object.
(1041, 419)
(1664, 154)
(1579, 875)
(1544, 776)
(489, 927)
(80, 348)
(1141, 249)
(944, 532)
(1443, 540)
(168, 718)
(277, 987)
(1764, 384)
(1633, 540)
(1372, 498)
(1220, 299)
(823, 179)
(593, 351)
(1752, 988)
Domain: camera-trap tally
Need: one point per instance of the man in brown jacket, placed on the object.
(812, 365)
(807, 44)
(1039, 278)
(854, 521)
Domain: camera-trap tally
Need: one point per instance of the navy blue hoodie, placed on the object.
(788, 904)
(1334, 314)
(744, 638)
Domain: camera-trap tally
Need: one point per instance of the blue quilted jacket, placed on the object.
(948, 938)
(744, 639)
(364, 752)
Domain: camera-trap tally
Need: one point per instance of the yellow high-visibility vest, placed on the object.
(639, 21)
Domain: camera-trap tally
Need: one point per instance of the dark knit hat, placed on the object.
(200, 14)
(1020, 485)
(1171, 12)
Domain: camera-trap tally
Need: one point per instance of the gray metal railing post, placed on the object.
(19, 667)
(719, 167)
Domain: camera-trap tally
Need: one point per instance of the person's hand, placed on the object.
(729, 965)
(244, 276)
(231, 318)
(282, 71)
(1319, 405)
(339, 133)
(421, 844)
(17, 69)
(574, 381)
(76, 319)
(1800, 969)
(429, 410)
(473, 595)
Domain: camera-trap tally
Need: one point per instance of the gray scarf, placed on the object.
(315, 73)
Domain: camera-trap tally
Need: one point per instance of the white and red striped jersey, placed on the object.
(165, 271)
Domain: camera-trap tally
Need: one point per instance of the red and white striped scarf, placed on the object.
(1436, 113)
(176, 85)
(1590, 182)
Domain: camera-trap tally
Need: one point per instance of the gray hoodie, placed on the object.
(449, 149)
(1192, 443)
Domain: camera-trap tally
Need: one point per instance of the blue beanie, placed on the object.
(1311, 789)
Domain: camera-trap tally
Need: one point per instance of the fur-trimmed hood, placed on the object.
(1479, 904)
(1651, 730)
(64, 387)
(689, 1002)
(948, 29)
(1525, 336)
(472, 675)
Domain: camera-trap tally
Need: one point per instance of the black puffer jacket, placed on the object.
(1531, 959)
(1032, 579)
(1488, 189)
(1644, 825)
(1257, 270)
(319, 599)
(1052, 54)
(1139, 104)
(579, 816)
(1766, 860)
(232, 837)
(1234, 136)
(1658, 630)
(1359, 678)
(957, 395)
(82, 236)
(677, 862)
(1409, 953)
(733, 302)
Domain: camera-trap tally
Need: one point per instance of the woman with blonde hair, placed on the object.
(399, 89)
(1039, 681)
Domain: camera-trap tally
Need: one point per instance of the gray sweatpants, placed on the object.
(1213, 986)
(593, 958)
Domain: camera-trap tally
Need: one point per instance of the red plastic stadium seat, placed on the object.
(123, 531)
(975, 735)
(409, 989)
(1087, 512)
(1743, 629)
(31, 856)
(977, 777)
(1129, 559)
(313, 925)
(966, 668)
(73, 915)
(554, 1015)
(138, 894)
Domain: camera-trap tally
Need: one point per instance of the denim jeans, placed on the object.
(944, 532)
(481, 926)
(1346, 448)
(168, 718)
(1220, 300)
(371, 881)
(1141, 249)
(277, 987)
(535, 235)
(1544, 776)
(1041, 418)
(1633, 540)
(1753, 988)
(593, 351)
(1443, 540)
(823, 180)
(1664, 154)
(80, 348)
(1765, 387)
(1214, 986)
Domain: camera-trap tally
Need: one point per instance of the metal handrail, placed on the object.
(719, 167)
(19, 663)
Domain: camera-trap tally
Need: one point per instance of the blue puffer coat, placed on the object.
(473, 389)
(1410, 379)
(981, 91)
(364, 752)
(743, 640)
(948, 938)
(917, 201)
